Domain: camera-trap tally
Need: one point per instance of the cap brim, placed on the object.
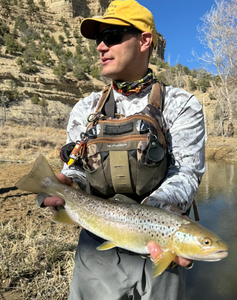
(90, 26)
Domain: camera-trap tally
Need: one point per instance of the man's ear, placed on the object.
(146, 41)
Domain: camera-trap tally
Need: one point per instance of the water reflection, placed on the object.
(217, 207)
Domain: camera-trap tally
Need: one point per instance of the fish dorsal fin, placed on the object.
(161, 260)
(106, 246)
(61, 216)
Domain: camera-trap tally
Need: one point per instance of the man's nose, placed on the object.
(102, 47)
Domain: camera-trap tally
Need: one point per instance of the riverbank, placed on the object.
(224, 149)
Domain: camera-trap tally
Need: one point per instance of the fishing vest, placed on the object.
(126, 155)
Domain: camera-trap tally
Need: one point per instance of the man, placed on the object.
(125, 36)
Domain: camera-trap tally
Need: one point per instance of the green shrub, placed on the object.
(154, 60)
(20, 23)
(161, 77)
(30, 35)
(194, 73)
(186, 70)
(42, 3)
(69, 43)
(19, 61)
(29, 68)
(11, 94)
(95, 72)
(12, 46)
(61, 39)
(35, 99)
(30, 53)
(4, 29)
(192, 84)
(67, 33)
(45, 58)
(204, 84)
(60, 70)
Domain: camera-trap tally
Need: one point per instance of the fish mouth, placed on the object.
(213, 256)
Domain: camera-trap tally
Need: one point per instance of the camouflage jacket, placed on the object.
(184, 121)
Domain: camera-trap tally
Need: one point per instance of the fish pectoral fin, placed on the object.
(61, 216)
(161, 262)
(106, 246)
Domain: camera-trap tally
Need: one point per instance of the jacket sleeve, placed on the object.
(76, 126)
(184, 120)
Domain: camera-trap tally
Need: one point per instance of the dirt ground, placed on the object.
(15, 207)
(12, 206)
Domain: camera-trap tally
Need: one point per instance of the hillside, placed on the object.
(46, 67)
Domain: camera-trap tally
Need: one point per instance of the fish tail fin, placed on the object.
(34, 181)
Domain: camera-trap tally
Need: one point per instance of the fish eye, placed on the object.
(207, 242)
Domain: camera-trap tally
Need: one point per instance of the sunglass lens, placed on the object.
(109, 37)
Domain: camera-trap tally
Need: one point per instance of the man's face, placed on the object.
(122, 61)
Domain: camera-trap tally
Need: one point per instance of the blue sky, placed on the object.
(177, 21)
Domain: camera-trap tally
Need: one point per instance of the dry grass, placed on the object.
(36, 255)
(37, 259)
(24, 143)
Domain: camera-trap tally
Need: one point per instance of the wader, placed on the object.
(118, 274)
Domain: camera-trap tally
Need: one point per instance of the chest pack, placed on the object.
(126, 155)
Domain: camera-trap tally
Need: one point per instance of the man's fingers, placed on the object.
(183, 262)
(64, 179)
(154, 250)
(53, 201)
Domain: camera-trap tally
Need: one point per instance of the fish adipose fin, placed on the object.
(161, 260)
(106, 246)
(61, 216)
(32, 182)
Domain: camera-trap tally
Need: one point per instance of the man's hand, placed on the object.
(154, 250)
(54, 200)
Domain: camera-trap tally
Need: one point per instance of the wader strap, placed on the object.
(162, 87)
(110, 105)
(104, 97)
(196, 215)
(155, 95)
(119, 168)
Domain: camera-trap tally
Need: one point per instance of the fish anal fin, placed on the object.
(106, 246)
(62, 216)
(161, 260)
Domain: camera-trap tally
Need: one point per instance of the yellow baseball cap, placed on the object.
(123, 13)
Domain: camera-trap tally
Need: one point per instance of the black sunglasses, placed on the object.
(114, 36)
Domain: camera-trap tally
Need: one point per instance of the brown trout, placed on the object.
(126, 223)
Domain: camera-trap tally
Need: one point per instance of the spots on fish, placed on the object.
(142, 219)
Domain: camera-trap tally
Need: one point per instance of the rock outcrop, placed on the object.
(85, 9)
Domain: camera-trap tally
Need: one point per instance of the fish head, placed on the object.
(196, 242)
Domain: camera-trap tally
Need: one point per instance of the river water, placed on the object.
(217, 207)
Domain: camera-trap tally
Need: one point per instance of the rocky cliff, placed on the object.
(50, 19)
(75, 8)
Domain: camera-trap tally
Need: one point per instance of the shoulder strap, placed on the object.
(107, 103)
(157, 95)
(104, 97)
